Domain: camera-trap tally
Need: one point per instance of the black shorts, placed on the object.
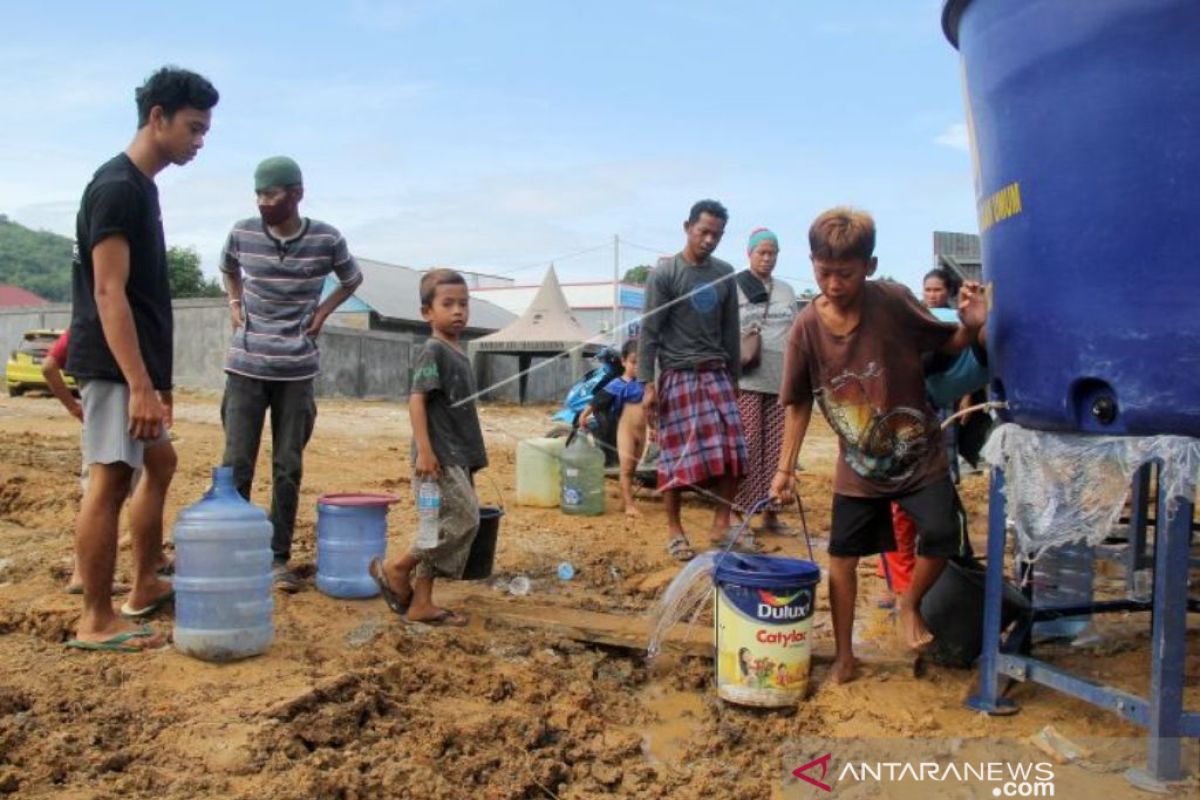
(862, 526)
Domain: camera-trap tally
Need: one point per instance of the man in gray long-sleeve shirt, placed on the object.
(691, 334)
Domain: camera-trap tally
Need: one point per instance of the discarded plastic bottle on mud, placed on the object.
(429, 506)
(566, 571)
(519, 586)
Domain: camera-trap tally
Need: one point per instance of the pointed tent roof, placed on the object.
(547, 325)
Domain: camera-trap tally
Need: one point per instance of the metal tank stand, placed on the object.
(1162, 714)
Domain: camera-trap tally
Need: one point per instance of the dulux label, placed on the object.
(771, 605)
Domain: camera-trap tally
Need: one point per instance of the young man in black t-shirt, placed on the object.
(120, 350)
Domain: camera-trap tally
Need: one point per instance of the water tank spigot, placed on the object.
(1104, 409)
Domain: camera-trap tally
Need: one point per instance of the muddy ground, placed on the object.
(348, 703)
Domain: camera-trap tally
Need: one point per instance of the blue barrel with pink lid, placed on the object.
(223, 602)
(351, 531)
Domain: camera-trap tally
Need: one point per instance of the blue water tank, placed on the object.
(1085, 132)
(223, 601)
(351, 530)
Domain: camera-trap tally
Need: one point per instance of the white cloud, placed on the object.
(954, 137)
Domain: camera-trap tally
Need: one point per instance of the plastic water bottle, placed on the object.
(566, 571)
(519, 586)
(429, 506)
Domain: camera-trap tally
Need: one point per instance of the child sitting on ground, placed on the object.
(857, 351)
(447, 447)
(623, 397)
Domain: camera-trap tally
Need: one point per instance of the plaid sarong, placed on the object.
(699, 429)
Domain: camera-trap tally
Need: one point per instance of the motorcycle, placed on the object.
(602, 424)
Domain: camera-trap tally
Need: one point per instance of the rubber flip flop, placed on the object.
(680, 549)
(114, 644)
(129, 612)
(777, 529)
(390, 596)
(444, 618)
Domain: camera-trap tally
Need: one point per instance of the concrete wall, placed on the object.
(354, 363)
(15, 321)
(548, 382)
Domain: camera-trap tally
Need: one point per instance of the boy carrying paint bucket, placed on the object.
(857, 351)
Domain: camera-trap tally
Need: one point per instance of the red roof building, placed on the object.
(16, 297)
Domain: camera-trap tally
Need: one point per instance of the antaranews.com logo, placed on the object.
(824, 774)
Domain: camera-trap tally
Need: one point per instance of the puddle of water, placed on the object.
(677, 715)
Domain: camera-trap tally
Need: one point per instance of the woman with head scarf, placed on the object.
(766, 305)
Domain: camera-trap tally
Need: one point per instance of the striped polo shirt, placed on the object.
(281, 289)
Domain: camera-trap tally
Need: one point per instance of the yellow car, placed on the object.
(24, 368)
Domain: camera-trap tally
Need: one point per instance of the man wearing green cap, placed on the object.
(274, 266)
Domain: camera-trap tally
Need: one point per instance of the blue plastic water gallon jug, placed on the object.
(351, 530)
(223, 598)
(1084, 130)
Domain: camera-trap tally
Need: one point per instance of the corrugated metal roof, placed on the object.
(393, 291)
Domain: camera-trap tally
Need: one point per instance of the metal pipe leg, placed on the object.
(1139, 503)
(1168, 635)
(988, 700)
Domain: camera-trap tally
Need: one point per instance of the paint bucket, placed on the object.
(483, 549)
(763, 619)
(953, 612)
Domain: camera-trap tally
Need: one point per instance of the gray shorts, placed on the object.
(458, 522)
(106, 438)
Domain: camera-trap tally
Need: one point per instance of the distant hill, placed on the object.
(39, 261)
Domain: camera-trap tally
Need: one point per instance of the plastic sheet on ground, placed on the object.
(1068, 487)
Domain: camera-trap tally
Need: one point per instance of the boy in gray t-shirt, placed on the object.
(447, 447)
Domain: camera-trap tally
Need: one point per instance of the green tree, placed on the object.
(39, 261)
(637, 275)
(187, 280)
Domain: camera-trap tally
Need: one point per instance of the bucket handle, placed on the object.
(495, 488)
(758, 507)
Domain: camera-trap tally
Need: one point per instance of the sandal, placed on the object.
(680, 549)
(397, 605)
(777, 527)
(445, 617)
(746, 543)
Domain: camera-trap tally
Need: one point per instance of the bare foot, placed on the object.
(632, 511)
(911, 627)
(399, 580)
(145, 596)
(844, 670)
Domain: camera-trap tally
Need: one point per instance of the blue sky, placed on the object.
(499, 136)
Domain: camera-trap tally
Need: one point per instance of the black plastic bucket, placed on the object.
(483, 549)
(953, 612)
